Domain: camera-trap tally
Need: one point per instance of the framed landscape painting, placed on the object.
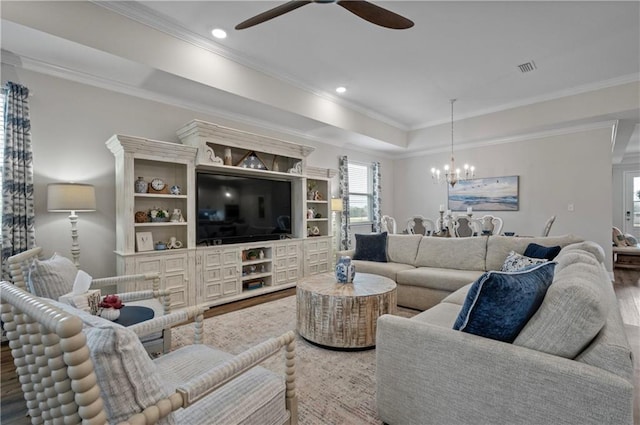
(487, 194)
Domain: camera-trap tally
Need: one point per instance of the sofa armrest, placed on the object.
(430, 374)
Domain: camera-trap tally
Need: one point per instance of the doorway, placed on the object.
(631, 190)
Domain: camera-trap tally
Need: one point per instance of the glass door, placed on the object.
(632, 203)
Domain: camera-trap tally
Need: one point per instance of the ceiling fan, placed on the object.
(367, 11)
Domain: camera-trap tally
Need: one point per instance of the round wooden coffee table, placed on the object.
(341, 315)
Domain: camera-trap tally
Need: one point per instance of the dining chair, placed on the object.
(547, 225)
(419, 225)
(54, 277)
(388, 224)
(463, 227)
(491, 224)
(75, 368)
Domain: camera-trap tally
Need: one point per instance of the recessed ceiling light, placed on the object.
(341, 89)
(219, 33)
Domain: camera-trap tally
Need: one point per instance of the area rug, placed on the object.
(334, 387)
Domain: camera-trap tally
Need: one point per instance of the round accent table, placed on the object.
(340, 315)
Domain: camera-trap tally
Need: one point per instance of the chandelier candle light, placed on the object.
(452, 175)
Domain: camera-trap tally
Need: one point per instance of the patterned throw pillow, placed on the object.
(498, 305)
(52, 278)
(618, 237)
(630, 239)
(516, 262)
(371, 247)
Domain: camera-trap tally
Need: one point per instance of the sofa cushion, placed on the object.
(255, 397)
(573, 311)
(51, 278)
(498, 247)
(437, 278)
(443, 315)
(538, 251)
(515, 262)
(389, 270)
(499, 304)
(371, 247)
(403, 248)
(452, 253)
(458, 296)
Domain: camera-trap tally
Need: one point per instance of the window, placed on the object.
(360, 193)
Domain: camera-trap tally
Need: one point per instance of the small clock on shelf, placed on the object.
(158, 185)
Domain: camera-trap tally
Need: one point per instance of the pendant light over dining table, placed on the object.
(451, 174)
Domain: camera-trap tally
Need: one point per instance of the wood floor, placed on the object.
(626, 285)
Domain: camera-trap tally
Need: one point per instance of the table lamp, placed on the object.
(72, 198)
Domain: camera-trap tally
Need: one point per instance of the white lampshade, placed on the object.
(65, 197)
(336, 204)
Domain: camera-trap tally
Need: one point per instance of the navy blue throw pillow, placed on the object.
(371, 247)
(499, 304)
(538, 251)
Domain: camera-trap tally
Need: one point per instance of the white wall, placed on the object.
(70, 124)
(554, 172)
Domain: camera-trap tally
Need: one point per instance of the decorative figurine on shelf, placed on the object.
(161, 246)
(311, 213)
(315, 231)
(175, 190)
(174, 243)
(261, 254)
(140, 186)
(228, 159)
(141, 217)
(176, 216)
(317, 196)
(345, 270)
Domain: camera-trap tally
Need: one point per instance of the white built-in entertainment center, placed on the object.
(200, 259)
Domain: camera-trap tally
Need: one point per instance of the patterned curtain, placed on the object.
(18, 233)
(377, 212)
(343, 171)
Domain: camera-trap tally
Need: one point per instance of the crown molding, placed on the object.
(512, 139)
(585, 88)
(46, 68)
(149, 17)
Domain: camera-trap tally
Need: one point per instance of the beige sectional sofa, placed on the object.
(571, 363)
(427, 269)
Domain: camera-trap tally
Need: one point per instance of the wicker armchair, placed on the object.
(140, 289)
(78, 368)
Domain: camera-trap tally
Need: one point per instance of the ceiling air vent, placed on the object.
(527, 66)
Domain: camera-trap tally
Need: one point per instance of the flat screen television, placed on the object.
(235, 209)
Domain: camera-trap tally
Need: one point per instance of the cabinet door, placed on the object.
(174, 275)
(211, 288)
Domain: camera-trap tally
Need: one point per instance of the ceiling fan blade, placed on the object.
(376, 14)
(271, 13)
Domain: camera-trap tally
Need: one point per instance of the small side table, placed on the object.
(130, 315)
(343, 316)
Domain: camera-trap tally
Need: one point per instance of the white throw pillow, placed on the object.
(516, 262)
(52, 278)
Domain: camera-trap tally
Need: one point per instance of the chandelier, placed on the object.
(452, 175)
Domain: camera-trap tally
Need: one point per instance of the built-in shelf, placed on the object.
(159, 195)
(252, 276)
(259, 261)
(161, 224)
(317, 219)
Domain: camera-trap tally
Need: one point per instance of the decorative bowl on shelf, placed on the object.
(159, 219)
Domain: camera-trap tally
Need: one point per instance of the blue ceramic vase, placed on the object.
(345, 271)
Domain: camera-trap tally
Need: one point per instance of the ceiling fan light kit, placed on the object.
(363, 9)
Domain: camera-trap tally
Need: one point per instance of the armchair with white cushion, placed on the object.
(53, 277)
(78, 368)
